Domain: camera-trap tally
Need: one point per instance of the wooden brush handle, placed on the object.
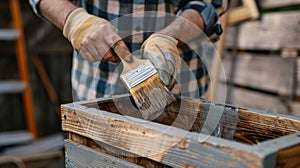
(129, 62)
(122, 51)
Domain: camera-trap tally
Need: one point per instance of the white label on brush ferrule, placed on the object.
(138, 75)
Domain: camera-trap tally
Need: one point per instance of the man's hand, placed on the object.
(162, 51)
(91, 36)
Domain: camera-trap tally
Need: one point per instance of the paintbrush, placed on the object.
(141, 79)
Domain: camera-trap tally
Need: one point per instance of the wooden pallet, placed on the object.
(110, 132)
(275, 31)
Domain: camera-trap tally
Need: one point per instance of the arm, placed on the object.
(92, 36)
(56, 11)
(195, 14)
(182, 27)
(161, 47)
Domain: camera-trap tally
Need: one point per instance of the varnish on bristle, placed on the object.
(149, 93)
(151, 96)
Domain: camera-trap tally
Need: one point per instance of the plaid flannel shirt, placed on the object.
(101, 79)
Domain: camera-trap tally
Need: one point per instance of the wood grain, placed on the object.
(181, 114)
(262, 101)
(257, 128)
(273, 32)
(268, 72)
(81, 156)
(175, 147)
(113, 151)
(100, 121)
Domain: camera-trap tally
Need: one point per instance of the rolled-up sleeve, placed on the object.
(35, 6)
(208, 13)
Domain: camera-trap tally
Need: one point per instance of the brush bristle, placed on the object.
(151, 96)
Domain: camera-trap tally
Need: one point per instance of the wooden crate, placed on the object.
(262, 60)
(108, 132)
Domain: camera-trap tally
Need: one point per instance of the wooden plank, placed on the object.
(270, 73)
(180, 115)
(289, 157)
(273, 32)
(269, 148)
(256, 100)
(113, 151)
(81, 156)
(276, 151)
(230, 116)
(268, 4)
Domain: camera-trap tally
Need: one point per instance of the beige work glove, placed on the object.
(162, 51)
(91, 36)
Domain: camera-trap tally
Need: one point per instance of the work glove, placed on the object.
(162, 51)
(92, 36)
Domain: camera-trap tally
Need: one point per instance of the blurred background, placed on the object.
(259, 51)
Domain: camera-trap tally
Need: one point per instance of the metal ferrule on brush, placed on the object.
(138, 75)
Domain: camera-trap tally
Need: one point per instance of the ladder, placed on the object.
(23, 84)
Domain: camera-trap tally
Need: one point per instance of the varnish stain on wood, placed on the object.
(177, 148)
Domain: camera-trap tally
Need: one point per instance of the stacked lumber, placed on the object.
(262, 59)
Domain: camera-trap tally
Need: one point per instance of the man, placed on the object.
(87, 27)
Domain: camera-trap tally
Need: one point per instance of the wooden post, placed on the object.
(245, 12)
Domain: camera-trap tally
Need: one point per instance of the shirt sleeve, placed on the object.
(35, 6)
(208, 13)
(184, 3)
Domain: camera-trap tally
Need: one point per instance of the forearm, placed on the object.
(186, 26)
(56, 11)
